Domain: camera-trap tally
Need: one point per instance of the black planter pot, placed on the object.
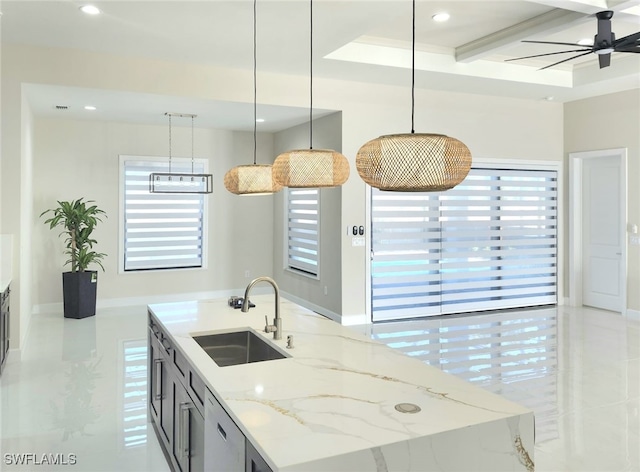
(79, 290)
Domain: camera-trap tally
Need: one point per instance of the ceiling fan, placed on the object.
(604, 43)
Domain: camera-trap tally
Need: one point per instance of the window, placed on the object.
(303, 228)
(160, 231)
(489, 243)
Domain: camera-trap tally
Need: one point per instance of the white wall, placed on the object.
(608, 122)
(327, 134)
(74, 159)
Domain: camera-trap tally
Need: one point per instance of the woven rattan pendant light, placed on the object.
(311, 168)
(413, 162)
(252, 179)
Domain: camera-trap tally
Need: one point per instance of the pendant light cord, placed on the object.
(413, 67)
(255, 86)
(311, 74)
(169, 143)
(192, 159)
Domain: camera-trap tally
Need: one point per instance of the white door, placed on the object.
(602, 238)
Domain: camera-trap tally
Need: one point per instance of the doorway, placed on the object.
(597, 231)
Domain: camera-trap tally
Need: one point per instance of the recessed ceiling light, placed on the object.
(440, 17)
(586, 42)
(549, 98)
(259, 120)
(90, 107)
(90, 10)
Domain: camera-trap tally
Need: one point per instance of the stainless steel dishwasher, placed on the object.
(224, 442)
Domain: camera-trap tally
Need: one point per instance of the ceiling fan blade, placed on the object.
(604, 60)
(553, 42)
(631, 49)
(547, 54)
(565, 60)
(631, 40)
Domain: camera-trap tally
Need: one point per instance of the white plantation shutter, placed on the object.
(491, 242)
(303, 227)
(161, 231)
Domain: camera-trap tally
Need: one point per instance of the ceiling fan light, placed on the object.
(310, 168)
(413, 162)
(251, 179)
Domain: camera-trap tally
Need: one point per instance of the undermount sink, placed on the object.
(238, 347)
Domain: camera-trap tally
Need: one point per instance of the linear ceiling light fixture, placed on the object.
(311, 168)
(252, 179)
(415, 162)
(175, 182)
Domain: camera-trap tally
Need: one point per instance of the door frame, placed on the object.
(576, 160)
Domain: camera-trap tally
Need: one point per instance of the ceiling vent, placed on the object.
(62, 107)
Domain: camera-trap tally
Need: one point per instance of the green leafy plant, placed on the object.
(78, 218)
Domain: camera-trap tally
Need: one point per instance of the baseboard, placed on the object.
(633, 314)
(355, 320)
(348, 320)
(57, 308)
(312, 306)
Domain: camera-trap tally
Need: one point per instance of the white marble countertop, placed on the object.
(335, 397)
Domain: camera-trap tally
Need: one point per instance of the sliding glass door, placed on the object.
(489, 243)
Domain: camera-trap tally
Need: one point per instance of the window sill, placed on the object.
(302, 273)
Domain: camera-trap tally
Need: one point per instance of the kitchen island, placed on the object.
(331, 405)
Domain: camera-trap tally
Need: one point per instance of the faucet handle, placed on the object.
(267, 327)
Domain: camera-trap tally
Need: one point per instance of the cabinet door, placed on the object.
(225, 442)
(167, 389)
(155, 378)
(196, 441)
(2, 333)
(188, 445)
(255, 462)
(4, 328)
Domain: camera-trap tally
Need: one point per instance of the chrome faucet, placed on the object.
(276, 327)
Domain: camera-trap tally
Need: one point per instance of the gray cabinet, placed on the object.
(187, 417)
(188, 444)
(4, 327)
(254, 461)
(178, 420)
(160, 387)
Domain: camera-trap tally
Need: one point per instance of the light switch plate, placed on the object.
(357, 241)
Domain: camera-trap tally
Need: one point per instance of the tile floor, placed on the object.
(78, 392)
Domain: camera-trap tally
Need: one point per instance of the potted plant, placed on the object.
(78, 219)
